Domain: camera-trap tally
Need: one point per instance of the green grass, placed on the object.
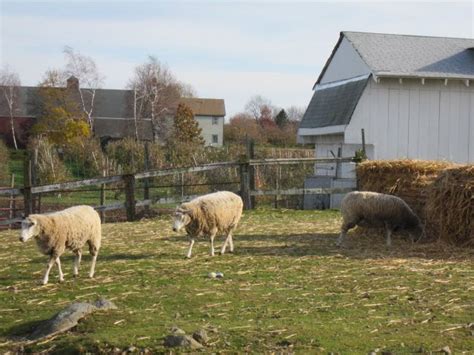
(286, 288)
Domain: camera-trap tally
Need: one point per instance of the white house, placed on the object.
(412, 95)
(209, 113)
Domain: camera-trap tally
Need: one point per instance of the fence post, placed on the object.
(36, 200)
(102, 197)
(362, 131)
(129, 181)
(146, 184)
(27, 196)
(251, 155)
(12, 200)
(245, 185)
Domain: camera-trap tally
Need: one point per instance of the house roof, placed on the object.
(333, 104)
(391, 55)
(205, 107)
(110, 103)
(119, 127)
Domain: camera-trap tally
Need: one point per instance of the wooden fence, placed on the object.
(247, 185)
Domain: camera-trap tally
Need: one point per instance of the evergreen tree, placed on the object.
(186, 128)
(282, 119)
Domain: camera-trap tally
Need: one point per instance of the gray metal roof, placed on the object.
(333, 105)
(414, 56)
(109, 103)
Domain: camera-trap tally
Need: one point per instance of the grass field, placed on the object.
(286, 289)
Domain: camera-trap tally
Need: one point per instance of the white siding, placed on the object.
(211, 126)
(345, 64)
(411, 120)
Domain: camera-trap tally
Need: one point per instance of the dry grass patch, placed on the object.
(286, 288)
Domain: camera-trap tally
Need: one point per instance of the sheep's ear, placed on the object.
(186, 211)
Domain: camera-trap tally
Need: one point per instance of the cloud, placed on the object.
(224, 49)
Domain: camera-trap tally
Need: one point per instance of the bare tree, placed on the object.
(156, 96)
(295, 113)
(10, 91)
(85, 70)
(256, 104)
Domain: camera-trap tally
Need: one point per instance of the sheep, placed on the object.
(376, 209)
(67, 229)
(209, 215)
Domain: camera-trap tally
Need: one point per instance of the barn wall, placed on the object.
(411, 120)
(345, 64)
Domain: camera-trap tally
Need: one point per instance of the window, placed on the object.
(215, 120)
(215, 139)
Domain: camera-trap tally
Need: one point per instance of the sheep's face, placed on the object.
(29, 229)
(181, 219)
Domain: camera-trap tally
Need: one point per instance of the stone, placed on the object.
(68, 318)
(177, 331)
(181, 341)
(446, 350)
(201, 336)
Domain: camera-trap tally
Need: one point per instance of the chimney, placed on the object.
(72, 83)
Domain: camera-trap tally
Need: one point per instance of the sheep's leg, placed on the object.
(388, 233)
(94, 251)
(228, 240)
(211, 238)
(231, 243)
(48, 269)
(77, 262)
(344, 229)
(191, 243)
(61, 275)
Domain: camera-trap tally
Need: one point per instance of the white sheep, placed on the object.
(375, 209)
(68, 229)
(209, 215)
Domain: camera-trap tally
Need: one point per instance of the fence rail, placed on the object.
(247, 190)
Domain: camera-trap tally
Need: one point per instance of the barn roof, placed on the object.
(392, 55)
(333, 104)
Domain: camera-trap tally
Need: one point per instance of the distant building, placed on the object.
(113, 115)
(413, 96)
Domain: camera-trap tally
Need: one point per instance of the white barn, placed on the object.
(412, 95)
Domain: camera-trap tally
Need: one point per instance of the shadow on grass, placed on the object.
(123, 256)
(355, 246)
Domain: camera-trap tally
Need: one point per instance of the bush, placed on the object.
(85, 158)
(128, 156)
(50, 168)
(4, 162)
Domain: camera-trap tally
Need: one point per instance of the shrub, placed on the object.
(85, 158)
(128, 155)
(4, 161)
(50, 168)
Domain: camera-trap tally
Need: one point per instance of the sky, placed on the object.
(223, 49)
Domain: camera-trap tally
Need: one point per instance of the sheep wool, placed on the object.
(208, 215)
(375, 209)
(67, 229)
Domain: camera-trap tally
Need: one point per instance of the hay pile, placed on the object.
(450, 206)
(440, 193)
(407, 179)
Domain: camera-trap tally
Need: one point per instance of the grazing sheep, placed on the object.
(376, 209)
(67, 229)
(208, 215)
